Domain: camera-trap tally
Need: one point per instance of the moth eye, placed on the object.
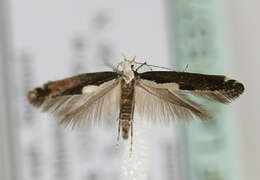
(132, 66)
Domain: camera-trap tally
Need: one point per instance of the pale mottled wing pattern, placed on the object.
(164, 94)
(69, 106)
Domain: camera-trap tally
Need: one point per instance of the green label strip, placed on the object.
(200, 43)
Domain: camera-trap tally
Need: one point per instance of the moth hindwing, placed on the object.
(90, 98)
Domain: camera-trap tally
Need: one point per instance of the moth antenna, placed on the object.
(123, 54)
(142, 64)
(110, 65)
(117, 67)
(133, 60)
(186, 67)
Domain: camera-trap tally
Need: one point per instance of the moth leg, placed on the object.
(118, 133)
(132, 132)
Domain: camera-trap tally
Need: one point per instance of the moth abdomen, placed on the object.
(126, 107)
(125, 129)
(125, 119)
(37, 96)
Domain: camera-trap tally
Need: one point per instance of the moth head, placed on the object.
(128, 65)
(128, 69)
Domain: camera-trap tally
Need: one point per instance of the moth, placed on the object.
(92, 98)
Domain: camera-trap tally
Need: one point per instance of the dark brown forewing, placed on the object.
(68, 86)
(213, 87)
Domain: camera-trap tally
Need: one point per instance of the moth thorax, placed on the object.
(128, 71)
(128, 76)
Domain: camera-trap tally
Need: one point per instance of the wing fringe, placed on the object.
(217, 96)
(166, 104)
(79, 111)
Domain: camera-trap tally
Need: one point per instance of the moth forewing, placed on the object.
(212, 87)
(79, 100)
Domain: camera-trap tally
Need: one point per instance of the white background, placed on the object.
(244, 37)
(50, 46)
